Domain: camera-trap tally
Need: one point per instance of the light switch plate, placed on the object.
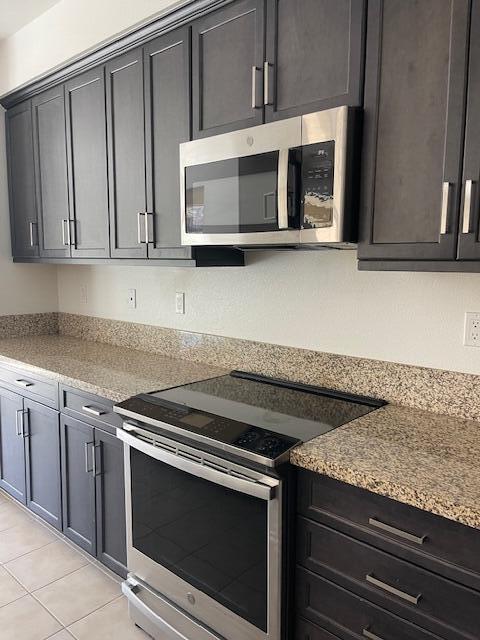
(179, 302)
(83, 294)
(472, 329)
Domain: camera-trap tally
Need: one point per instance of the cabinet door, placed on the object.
(87, 163)
(78, 483)
(167, 124)
(110, 501)
(21, 180)
(42, 451)
(413, 128)
(126, 155)
(51, 173)
(314, 56)
(228, 56)
(12, 450)
(469, 233)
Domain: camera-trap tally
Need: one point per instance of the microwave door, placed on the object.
(232, 196)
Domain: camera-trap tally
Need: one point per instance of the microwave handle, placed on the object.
(282, 188)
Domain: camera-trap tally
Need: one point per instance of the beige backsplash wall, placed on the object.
(316, 301)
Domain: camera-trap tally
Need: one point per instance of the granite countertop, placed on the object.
(423, 459)
(112, 372)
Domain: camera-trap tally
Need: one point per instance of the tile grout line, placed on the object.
(60, 535)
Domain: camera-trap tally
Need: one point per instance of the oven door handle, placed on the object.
(235, 482)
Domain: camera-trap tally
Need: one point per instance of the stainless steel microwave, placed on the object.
(286, 183)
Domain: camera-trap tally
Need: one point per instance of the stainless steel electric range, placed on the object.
(210, 499)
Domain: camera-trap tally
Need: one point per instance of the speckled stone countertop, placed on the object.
(423, 459)
(109, 371)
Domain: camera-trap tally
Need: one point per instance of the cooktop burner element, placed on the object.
(254, 417)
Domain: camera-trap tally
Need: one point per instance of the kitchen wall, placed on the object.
(65, 30)
(315, 300)
(23, 288)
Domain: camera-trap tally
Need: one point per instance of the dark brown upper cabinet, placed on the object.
(87, 165)
(416, 68)
(50, 152)
(469, 232)
(314, 56)
(21, 180)
(227, 68)
(167, 124)
(126, 155)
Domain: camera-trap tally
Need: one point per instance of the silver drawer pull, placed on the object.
(396, 592)
(93, 411)
(24, 383)
(371, 636)
(396, 532)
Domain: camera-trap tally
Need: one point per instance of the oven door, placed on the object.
(206, 534)
(243, 187)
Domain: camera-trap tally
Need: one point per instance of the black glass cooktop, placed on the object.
(247, 413)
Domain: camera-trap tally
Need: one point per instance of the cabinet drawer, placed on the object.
(89, 408)
(30, 385)
(409, 591)
(305, 630)
(438, 544)
(339, 611)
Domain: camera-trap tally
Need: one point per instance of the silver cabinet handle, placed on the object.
(92, 410)
(18, 427)
(396, 592)
(66, 235)
(87, 468)
(139, 227)
(255, 104)
(444, 220)
(71, 232)
(24, 383)
(25, 424)
(148, 221)
(266, 83)
(33, 235)
(97, 466)
(396, 532)
(467, 206)
(371, 636)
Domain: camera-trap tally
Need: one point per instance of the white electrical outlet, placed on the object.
(472, 329)
(132, 299)
(179, 302)
(83, 294)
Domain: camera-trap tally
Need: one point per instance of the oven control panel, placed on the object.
(263, 442)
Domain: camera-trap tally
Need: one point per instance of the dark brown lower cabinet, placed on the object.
(93, 495)
(12, 450)
(42, 462)
(78, 483)
(306, 630)
(110, 502)
(370, 567)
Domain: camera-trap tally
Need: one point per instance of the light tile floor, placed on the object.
(50, 589)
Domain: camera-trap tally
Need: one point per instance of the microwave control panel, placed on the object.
(318, 162)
